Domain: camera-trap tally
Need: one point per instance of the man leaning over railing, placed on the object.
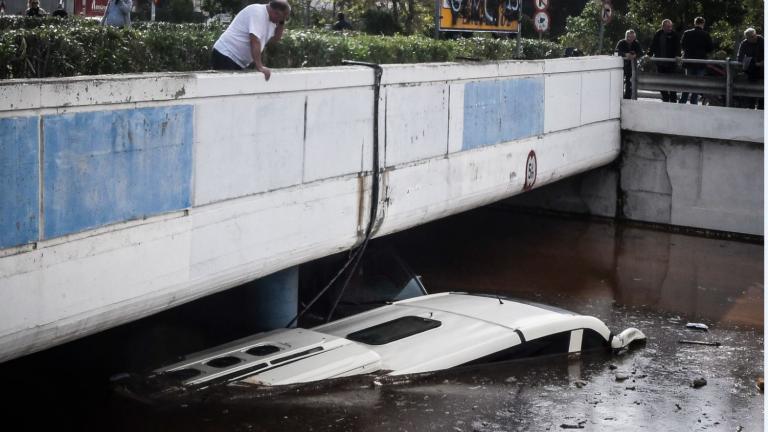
(629, 49)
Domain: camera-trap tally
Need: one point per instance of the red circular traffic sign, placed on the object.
(607, 12)
(541, 21)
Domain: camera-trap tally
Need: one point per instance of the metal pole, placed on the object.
(437, 18)
(728, 82)
(633, 79)
(152, 11)
(519, 29)
(600, 37)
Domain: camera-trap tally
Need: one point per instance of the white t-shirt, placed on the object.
(235, 41)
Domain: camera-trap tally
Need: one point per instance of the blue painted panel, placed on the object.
(19, 181)
(112, 166)
(501, 111)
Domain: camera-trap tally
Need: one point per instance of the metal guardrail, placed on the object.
(730, 84)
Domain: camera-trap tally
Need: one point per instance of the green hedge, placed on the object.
(52, 47)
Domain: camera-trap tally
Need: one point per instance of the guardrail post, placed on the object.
(633, 80)
(728, 82)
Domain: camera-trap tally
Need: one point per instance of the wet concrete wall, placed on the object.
(691, 166)
(138, 193)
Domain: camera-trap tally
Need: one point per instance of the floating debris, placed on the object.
(697, 326)
(699, 382)
(692, 342)
(621, 376)
(579, 425)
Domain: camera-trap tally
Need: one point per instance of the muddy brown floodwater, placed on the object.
(628, 276)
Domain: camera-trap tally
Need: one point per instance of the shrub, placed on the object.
(380, 22)
(51, 47)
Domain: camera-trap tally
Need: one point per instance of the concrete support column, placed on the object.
(272, 301)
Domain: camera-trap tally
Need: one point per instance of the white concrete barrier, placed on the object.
(691, 166)
(126, 195)
(733, 124)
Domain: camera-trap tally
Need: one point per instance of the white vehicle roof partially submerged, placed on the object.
(422, 334)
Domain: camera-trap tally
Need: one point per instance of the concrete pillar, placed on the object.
(272, 301)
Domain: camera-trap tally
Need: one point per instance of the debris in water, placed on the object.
(579, 383)
(579, 425)
(697, 326)
(699, 382)
(692, 342)
(621, 376)
(760, 383)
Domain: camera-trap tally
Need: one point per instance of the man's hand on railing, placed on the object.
(644, 63)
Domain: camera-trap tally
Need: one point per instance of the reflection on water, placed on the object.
(550, 258)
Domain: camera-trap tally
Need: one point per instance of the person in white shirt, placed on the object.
(242, 42)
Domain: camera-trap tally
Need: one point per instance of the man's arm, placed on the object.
(654, 45)
(684, 42)
(740, 56)
(278, 32)
(256, 54)
(621, 49)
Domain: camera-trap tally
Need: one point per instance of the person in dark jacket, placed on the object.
(35, 10)
(696, 44)
(342, 23)
(666, 44)
(60, 11)
(752, 57)
(630, 50)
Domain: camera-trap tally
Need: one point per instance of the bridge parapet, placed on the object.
(131, 194)
(689, 166)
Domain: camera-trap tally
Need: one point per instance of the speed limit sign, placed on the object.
(541, 21)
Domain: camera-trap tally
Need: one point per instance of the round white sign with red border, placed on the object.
(607, 14)
(530, 171)
(541, 21)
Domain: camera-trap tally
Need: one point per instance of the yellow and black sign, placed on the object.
(479, 15)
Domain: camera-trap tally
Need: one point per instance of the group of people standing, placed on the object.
(34, 9)
(117, 12)
(695, 44)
